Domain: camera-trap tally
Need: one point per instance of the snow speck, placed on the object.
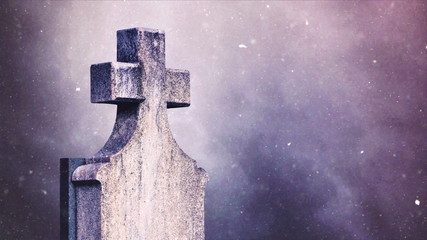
(268, 6)
(306, 22)
(30, 172)
(242, 46)
(374, 61)
(361, 152)
(44, 192)
(417, 202)
(77, 89)
(289, 144)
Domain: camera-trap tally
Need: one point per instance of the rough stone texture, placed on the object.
(140, 185)
(177, 88)
(116, 82)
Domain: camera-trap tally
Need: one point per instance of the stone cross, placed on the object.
(140, 185)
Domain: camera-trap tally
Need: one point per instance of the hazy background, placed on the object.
(310, 117)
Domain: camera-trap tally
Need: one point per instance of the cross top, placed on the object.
(140, 72)
(140, 85)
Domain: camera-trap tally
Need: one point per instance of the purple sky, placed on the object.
(310, 117)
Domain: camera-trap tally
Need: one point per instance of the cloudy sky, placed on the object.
(310, 117)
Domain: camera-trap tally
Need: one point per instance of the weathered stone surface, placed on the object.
(116, 82)
(177, 88)
(140, 185)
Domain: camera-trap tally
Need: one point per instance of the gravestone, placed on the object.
(140, 185)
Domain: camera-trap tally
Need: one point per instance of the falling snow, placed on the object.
(343, 81)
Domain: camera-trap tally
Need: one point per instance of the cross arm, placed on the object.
(116, 82)
(177, 88)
